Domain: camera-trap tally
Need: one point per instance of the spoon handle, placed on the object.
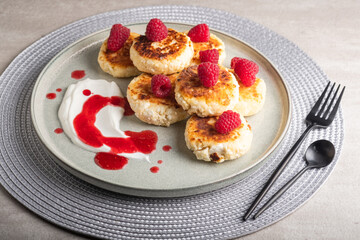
(281, 191)
(278, 171)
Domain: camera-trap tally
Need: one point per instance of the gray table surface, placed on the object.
(328, 31)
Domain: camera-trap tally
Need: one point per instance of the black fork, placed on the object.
(321, 115)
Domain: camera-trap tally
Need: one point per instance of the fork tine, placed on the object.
(327, 100)
(333, 112)
(331, 103)
(317, 104)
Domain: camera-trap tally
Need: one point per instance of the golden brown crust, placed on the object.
(142, 89)
(121, 57)
(189, 85)
(171, 47)
(248, 93)
(203, 130)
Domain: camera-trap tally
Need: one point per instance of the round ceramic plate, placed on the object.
(180, 173)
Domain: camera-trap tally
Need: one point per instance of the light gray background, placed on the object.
(326, 30)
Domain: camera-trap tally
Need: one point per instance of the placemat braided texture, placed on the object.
(32, 177)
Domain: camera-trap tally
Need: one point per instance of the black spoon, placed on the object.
(319, 154)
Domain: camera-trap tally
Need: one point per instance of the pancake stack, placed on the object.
(177, 56)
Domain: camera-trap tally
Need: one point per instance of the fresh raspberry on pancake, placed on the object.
(234, 60)
(200, 33)
(160, 86)
(211, 55)
(246, 71)
(208, 74)
(118, 36)
(156, 30)
(227, 122)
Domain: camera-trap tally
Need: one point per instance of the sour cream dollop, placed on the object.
(108, 118)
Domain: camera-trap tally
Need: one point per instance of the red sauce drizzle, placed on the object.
(110, 161)
(154, 169)
(87, 92)
(78, 74)
(58, 89)
(84, 125)
(160, 161)
(166, 148)
(127, 108)
(58, 130)
(51, 95)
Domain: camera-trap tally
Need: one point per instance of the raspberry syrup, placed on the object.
(110, 161)
(84, 125)
(87, 92)
(78, 74)
(167, 148)
(154, 169)
(58, 130)
(51, 95)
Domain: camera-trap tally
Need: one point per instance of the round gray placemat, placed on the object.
(30, 174)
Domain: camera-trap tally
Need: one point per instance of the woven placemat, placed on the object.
(30, 174)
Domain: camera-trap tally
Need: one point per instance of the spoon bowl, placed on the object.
(320, 154)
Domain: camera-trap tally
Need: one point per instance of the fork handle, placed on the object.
(281, 191)
(278, 170)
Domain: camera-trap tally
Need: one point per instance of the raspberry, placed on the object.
(234, 60)
(211, 55)
(118, 36)
(208, 73)
(156, 30)
(246, 70)
(200, 33)
(227, 122)
(160, 86)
